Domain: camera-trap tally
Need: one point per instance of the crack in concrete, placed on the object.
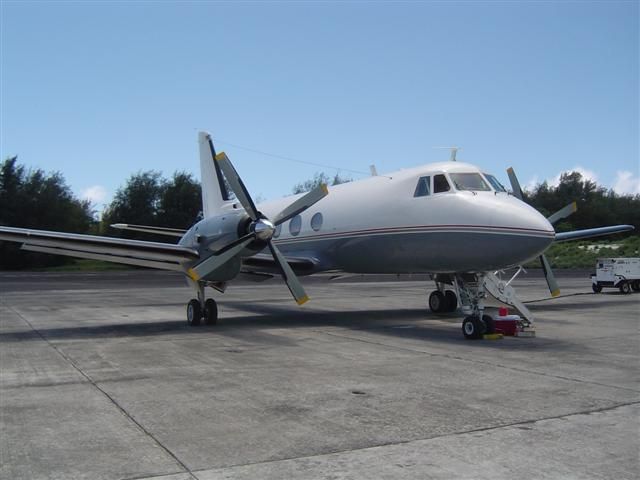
(481, 362)
(434, 437)
(109, 397)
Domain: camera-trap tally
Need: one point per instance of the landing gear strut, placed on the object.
(198, 309)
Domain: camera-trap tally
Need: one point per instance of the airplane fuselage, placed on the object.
(390, 224)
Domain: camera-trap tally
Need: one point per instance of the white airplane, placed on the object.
(448, 219)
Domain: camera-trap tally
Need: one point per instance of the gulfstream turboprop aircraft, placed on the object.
(448, 219)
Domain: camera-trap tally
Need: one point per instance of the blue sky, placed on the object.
(101, 90)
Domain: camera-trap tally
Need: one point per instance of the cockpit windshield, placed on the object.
(469, 181)
(497, 186)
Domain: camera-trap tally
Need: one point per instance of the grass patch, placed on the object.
(585, 253)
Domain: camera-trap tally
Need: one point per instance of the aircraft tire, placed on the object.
(596, 288)
(210, 312)
(625, 287)
(437, 302)
(194, 312)
(451, 300)
(490, 325)
(473, 328)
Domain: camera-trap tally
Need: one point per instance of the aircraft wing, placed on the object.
(592, 232)
(264, 263)
(172, 232)
(164, 256)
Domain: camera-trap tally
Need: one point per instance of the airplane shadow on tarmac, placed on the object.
(416, 324)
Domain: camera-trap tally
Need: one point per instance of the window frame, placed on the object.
(446, 180)
(420, 183)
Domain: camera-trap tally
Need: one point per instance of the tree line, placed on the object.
(32, 198)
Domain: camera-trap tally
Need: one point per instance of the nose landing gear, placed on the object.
(469, 294)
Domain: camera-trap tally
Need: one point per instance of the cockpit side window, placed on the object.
(423, 188)
(497, 186)
(469, 181)
(440, 184)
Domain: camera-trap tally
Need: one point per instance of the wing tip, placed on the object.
(555, 293)
(302, 300)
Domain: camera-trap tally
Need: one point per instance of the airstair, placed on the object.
(503, 292)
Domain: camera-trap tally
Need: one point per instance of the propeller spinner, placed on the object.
(260, 228)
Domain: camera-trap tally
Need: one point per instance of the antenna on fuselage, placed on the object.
(454, 150)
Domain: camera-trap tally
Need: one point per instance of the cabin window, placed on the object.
(295, 225)
(469, 181)
(497, 186)
(440, 184)
(423, 188)
(316, 222)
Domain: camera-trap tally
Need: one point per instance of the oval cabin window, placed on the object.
(295, 225)
(316, 222)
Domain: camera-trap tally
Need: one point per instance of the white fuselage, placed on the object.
(379, 225)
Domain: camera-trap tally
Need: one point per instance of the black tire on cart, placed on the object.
(625, 287)
(635, 285)
(597, 288)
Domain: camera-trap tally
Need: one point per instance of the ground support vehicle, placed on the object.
(621, 273)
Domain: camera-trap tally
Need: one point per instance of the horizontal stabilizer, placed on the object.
(171, 232)
(592, 232)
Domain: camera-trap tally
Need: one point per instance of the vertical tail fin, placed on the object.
(214, 189)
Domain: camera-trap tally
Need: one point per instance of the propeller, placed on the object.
(553, 219)
(260, 228)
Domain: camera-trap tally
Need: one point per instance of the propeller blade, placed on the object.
(301, 204)
(295, 287)
(563, 213)
(219, 258)
(548, 274)
(235, 182)
(515, 184)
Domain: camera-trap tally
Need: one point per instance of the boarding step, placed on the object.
(505, 293)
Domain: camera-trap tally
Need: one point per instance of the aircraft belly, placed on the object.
(421, 252)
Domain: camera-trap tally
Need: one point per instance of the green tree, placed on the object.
(35, 199)
(137, 203)
(597, 206)
(180, 203)
(148, 199)
(318, 178)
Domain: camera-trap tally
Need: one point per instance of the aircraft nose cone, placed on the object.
(519, 232)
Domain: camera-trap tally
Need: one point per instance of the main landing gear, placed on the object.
(443, 302)
(199, 309)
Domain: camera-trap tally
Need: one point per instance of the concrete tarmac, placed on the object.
(101, 378)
